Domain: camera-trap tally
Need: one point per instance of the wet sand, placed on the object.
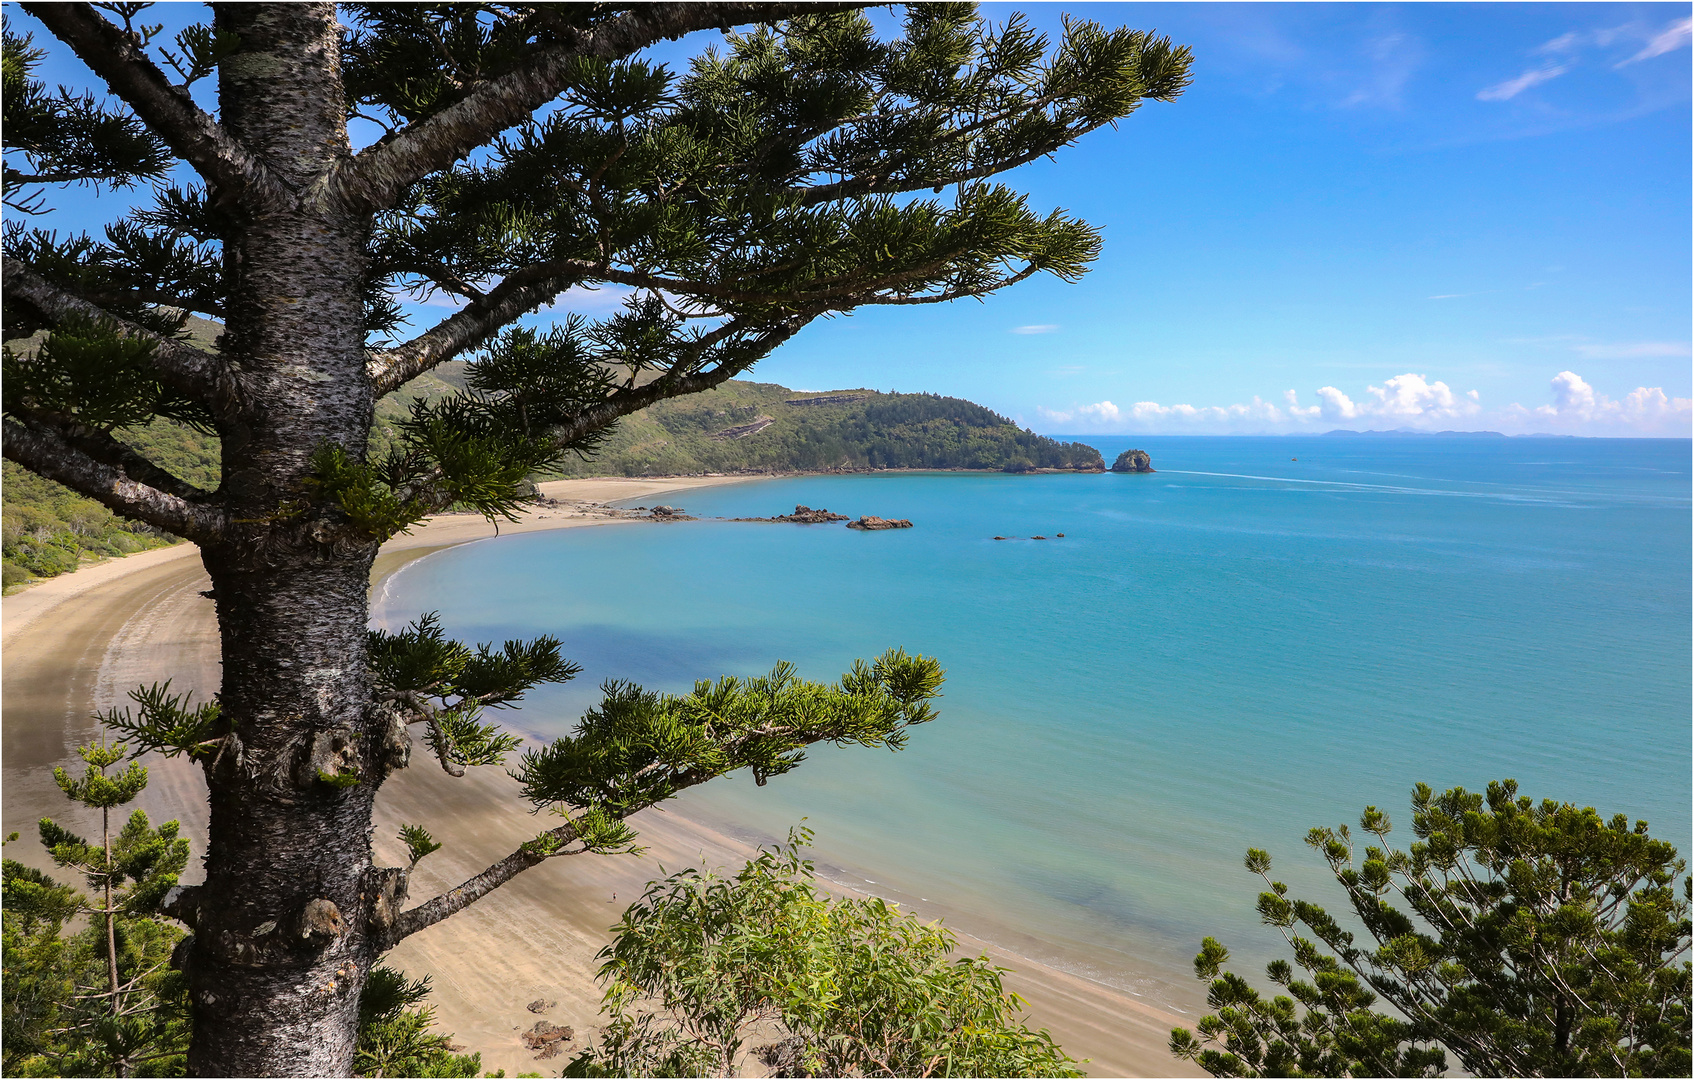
(80, 642)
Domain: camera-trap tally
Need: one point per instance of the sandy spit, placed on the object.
(78, 643)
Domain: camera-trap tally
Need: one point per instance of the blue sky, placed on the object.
(1428, 216)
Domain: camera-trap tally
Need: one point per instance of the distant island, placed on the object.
(1425, 434)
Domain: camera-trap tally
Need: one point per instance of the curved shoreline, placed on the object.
(142, 618)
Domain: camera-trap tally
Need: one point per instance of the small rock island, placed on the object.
(802, 515)
(1133, 461)
(871, 524)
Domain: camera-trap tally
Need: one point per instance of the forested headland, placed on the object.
(740, 427)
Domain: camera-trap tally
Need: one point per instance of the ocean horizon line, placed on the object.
(1343, 432)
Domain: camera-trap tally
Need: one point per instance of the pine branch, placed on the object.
(103, 447)
(51, 453)
(457, 899)
(762, 724)
(884, 183)
(538, 284)
(677, 381)
(518, 293)
(167, 110)
(375, 178)
(197, 374)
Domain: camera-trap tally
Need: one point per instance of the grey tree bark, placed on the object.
(280, 923)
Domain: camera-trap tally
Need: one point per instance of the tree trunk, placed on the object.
(280, 936)
(111, 926)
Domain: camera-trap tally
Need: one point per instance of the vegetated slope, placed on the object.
(47, 529)
(739, 427)
(763, 427)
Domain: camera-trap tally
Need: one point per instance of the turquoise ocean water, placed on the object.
(1221, 654)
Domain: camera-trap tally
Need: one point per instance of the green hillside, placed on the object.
(739, 427)
(763, 427)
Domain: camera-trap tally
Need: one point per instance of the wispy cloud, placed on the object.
(1631, 350)
(1511, 88)
(1672, 37)
(1451, 296)
(1391, 59)
(1589, 349)
(1038, 328)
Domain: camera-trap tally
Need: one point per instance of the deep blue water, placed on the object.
(1221, 654)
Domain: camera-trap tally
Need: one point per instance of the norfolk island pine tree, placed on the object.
(802, 167)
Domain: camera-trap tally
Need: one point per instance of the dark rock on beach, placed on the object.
(1133, 461)
(547, 1039)
(871, 524)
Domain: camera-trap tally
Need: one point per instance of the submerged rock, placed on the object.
(874, 523)
(1133, 461)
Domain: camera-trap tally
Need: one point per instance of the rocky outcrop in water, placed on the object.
(802, 515)
(872, 524)
(1133, 461)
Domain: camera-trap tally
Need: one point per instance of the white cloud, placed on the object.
(1672, 37)
(1411, 400)
(1310, 412)
(1571, 397)
(1336, 405)
(1414, 397)
(1259, 410)
(1511, 88)
(1578, 408)
(1038, 328)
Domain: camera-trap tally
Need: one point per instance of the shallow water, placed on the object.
(1221, 654)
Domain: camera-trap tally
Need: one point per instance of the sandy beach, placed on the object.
(80, 642)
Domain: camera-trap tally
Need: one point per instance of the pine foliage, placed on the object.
(1525, 938)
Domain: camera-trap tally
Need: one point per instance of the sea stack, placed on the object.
(1133, 461)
